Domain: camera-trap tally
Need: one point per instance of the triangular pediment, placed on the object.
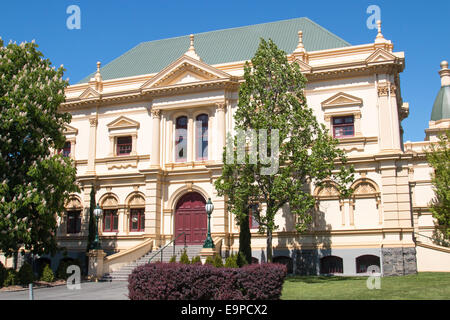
(89, 93)
(70, 130)
(341, 99)
(304, 67)
(380, 56)
(185, 70)
(122, 122)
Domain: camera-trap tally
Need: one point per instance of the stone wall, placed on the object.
(399, 261)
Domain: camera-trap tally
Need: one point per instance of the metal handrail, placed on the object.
(162, 249)
(443, 242)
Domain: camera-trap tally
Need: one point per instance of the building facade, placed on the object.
(148, 132)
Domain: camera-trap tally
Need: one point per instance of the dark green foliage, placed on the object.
(272, 100)
(47, 274)
(25, 274)
(241, 260)
(92, 221)
(218, 262)
(61, 271)
(11, 278)
(3, 273)
(196, 259)
(173, 259)
(209, 260)
(231, 261)
(184, 258)
(245, 236)
(439, 158)
(34, 182)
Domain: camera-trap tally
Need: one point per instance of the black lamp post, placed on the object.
(97, 213)
(209, 207)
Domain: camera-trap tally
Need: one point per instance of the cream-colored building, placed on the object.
(152, 178)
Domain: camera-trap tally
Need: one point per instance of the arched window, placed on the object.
(181, 139)
(365, 261)
(201, 137)
(331, 265)
(110, 220)
(287, 261)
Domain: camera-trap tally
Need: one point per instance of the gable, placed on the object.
(304, 67)
(89, 93)
(185, 70)
(341, 99)
(380, 56)
(122, 122)
(70, 130)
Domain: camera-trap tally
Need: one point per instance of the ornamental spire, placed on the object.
(380, 37)
(300, 47)
(191, 51)
(445, 74)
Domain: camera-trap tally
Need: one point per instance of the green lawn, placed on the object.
(425, 285)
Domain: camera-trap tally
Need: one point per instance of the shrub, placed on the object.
(61, 271)
(231, 262)
(218, 262)
(209, 260)
(241, 260)
(184, 258)
(25, 275)
(11, 278)
(3, 274)
(47, 274)
(176, 281)
(173, 259)
(196, 259)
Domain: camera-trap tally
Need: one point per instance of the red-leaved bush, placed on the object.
(175, 281)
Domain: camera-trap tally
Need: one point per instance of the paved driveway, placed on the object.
(89, 291)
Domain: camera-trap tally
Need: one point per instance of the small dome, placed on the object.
(441, 107)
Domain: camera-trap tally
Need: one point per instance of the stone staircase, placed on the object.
(123, 273)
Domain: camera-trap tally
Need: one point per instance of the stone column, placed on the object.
(95, 270)
(388, 117)
(92, 144)
(156, 129)
(221, 131)
(152, 192)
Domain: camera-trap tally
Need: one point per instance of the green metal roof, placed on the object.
(221, 46)
(441, 107)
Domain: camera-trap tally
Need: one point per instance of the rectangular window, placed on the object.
(73, 222)
(253, 224)
(110, 221)
(181, 139)
(66, 149)
(343, 127)
(137, 221)
(124, 145)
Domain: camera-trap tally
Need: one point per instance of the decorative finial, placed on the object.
(191, 51)
(380, 36)
(445, 74)
(300, 47)
(98, 76)
(98, 66)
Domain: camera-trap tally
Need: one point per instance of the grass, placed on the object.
(424, 285)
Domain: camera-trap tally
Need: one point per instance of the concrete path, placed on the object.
(89, 291)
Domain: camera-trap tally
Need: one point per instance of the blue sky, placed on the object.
(110, 28)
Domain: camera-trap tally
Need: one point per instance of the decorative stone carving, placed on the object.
(156, 113)
(365, 188)
(384, 89)
(110, 202)
(136, 200)
(93, 121)
(327, 191)
(73, 203)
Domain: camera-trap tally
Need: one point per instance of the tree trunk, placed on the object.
(269, 245)
(245, 238)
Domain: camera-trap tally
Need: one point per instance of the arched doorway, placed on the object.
(190, 218)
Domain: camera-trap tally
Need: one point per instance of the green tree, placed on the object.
(301, 150)
(438, 156)
(231, 261)
(218, 262)
(47, 274)
(92, 221)
(184, 258)
(36, 180)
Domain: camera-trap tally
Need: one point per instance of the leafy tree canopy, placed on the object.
(439, 158)
(272, 99)
(35, 181)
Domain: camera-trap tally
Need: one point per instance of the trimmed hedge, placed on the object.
(25, 274)
(177, 281)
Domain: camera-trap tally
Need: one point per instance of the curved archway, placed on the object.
(331, 265)
(287, 261)
(365, 261)
(190, 218)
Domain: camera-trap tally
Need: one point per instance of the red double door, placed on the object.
(191, 218)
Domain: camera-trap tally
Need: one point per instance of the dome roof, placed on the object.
(441, 107)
